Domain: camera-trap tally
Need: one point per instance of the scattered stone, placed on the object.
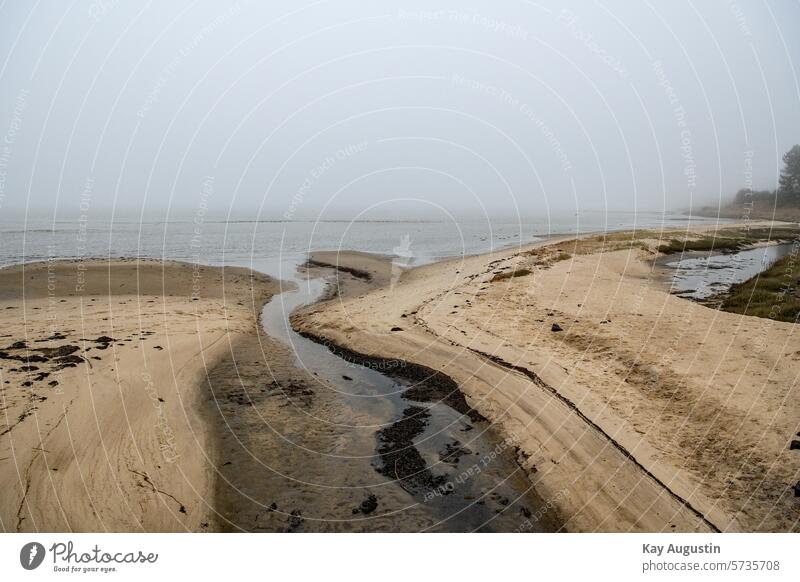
(397, 329)
(367, 506)
(555, 327)
(794, 445)
(348, 378)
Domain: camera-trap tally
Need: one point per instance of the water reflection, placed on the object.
(700, 276)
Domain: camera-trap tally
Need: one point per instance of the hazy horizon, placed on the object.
(442, 109)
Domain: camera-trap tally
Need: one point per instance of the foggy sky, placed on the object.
(448, 107)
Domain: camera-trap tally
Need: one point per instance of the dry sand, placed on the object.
(102, 434)
(647, 412)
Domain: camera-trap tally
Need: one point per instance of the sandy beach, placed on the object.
(634, 409)
(147, 395)
(108, 423)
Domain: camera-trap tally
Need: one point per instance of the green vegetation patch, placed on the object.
(705, 244)
(762, 233)
(774, 294)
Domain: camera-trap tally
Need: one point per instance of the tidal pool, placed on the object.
(700, 276)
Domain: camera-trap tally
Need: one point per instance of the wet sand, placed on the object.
(146, 396)
(341, 444)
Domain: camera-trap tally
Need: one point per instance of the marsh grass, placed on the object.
(731, 239)
(774, 294)
(704, 244)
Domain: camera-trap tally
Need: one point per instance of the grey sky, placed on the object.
(280, 110)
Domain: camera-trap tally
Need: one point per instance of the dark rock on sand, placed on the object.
(295, 520)
(556, 327)
(367, 506)
(794, 445)
(68, 362)
(35, 358)
(59, 352)
(103, 342)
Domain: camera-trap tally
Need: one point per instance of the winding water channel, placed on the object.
(424, 462)
(700, 276)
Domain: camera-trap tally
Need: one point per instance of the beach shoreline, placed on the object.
(146, 395)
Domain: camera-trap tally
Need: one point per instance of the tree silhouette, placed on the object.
(789, 183)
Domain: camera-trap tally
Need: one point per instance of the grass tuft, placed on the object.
(774, 294)
(706, 243)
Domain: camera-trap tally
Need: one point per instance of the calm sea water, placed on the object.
(274, 247)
